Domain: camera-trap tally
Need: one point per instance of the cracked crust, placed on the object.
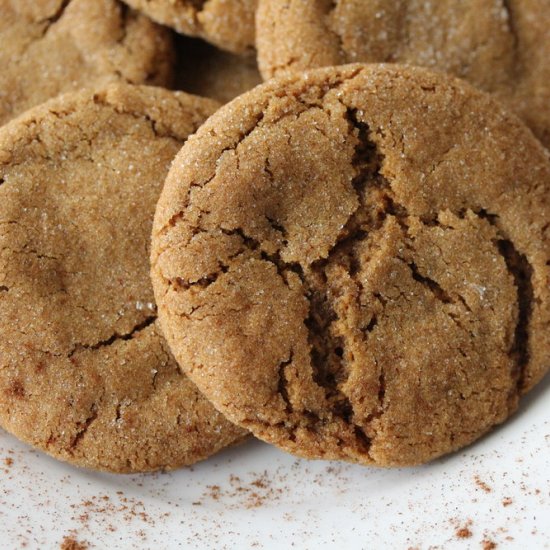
(56, 46)
(228, 24)
(356, 262)
(84, 372)
(499, 46)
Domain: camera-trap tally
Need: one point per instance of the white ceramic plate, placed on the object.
(253, 496)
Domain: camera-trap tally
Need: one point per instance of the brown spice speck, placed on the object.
(70, 543)
(214, 492)
(488, 544)
(16, 389)
(245, 494)
(260, 483)
(463, 533)
(463, 530)
(507, 501)
(482, 485)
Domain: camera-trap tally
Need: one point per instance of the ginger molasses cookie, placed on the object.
(354, 263)
(85, 374)
(205, 70)
(56, 46)
(499, 46)
(229, 24)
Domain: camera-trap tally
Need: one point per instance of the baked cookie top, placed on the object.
(56, 46)
(85, 374)
(499, 46)
(229, 24)
(354, 263)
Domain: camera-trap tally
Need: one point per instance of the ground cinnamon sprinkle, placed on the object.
(98, 517)
(242, 494)
(8, 462)
(463, 533)
(127, 509)
(214, 492)
(463, 530)
(70, 543)
(482, 485)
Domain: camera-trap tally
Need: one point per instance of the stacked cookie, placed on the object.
(349, 261)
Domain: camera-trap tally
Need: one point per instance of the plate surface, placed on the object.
(496, 492)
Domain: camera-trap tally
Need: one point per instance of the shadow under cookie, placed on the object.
(205, 70)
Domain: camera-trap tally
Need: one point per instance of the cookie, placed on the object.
(207, 71)
(499, 46)
(354, 263)
(85, 374)
(229, 24)
(56, 46)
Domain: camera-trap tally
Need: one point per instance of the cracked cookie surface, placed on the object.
(228, 24)
(56, 46)
(84, 371)
(499, 46)
(354, 263)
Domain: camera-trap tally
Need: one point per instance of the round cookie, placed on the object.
(56, 46)
(354, 263)
(207, 71)
(229, 24)
(499, 46)
(85, 374)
